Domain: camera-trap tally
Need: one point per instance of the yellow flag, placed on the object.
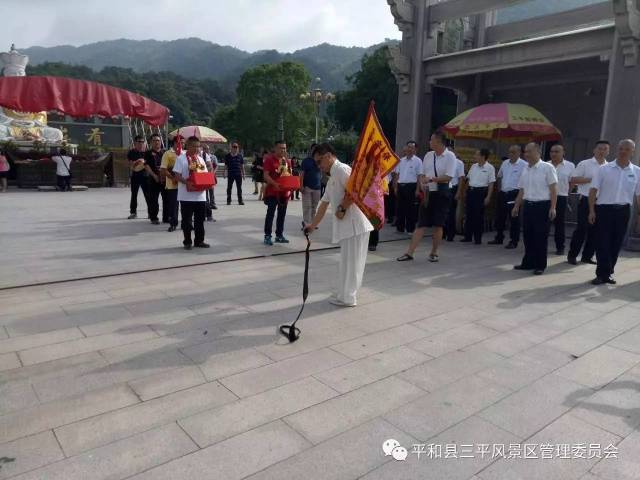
(373, 161)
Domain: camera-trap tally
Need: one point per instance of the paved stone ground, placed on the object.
(177, 374)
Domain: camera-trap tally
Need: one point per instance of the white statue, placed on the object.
(20, 125)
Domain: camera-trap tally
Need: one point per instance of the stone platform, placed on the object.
(176, 372)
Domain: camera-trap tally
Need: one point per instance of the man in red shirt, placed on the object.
(275, 198)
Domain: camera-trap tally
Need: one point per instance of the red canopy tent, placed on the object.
(78, 98)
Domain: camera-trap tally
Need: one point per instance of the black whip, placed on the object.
(291, 332)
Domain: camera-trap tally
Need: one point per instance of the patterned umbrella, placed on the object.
(205, 134)
(508, 122)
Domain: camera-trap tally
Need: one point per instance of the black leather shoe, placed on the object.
(611, 281)
(155, 222)
(572, 261)
(538, 272)
(171, 229)
(495, 242)
(589, 261)
(214, 207)
(511, 246)
(521, 267)
(598, 281)
(202, 245)
(187, 247)
(240, 202)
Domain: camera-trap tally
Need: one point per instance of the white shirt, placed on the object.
(481, 176)
(536, 180)
(564, 170)
(510, 174)
(459, 173)
(182, 167)
(354, 222)
(587, 169)
(408, 169)
(616, 185)
(445, 164)
(60, 167)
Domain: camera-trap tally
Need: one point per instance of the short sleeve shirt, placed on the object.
(182, 167)
(273, 167)
(445, 164)
(153, 159)
(616, 185)
(510, 173)
(312, 176)
(459, 173)
(564, 171)
(586, 169)
(135, 155)
(408, 169)
(536, 181)
(168, 162)
(481, 176)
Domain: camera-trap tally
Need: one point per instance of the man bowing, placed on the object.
(350, 226)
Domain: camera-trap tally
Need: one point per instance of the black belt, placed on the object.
(509, 191)
(478, 188)
(614, 206)
(536, 202)
(407, 183)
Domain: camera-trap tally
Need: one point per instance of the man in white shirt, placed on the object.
(456, 189)
(585, 233)
(350, 226)
(508, 177)
(192, 204)
(613, 188)
(564, 170)
(438, 168)
(480, 180)
(405, 184)
(63, 172)
(538, 193)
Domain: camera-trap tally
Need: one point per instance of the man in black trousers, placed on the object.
(406, 189)
(155, 184)
(508, 178)
(138, 175)
(235, 171)
(585, 233)
(538, 195)
(610, 199)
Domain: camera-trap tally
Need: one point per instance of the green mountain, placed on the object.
(199, 59)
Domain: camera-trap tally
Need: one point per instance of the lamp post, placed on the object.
(317, 95)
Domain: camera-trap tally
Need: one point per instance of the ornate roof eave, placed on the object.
(402, 11)
(400, 65)
(627, 17)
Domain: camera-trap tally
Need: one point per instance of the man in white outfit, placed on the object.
(350, 226)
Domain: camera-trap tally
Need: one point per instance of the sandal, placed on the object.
(433, 258)
(404, 258)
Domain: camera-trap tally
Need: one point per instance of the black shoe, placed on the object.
(449, 239)
(598, 281)
(538, 272)
(511, 246)
(572, 261)
(589, 261)
(372, 248)
(133, 215)
(171, 229)
(228, 202)
(202, 245)
(560, 251)
(187, 246)
(611, 281)
(214, 207)
(155, 222)
(495, 242)
(209, 219)
(466, 240)
(521, 267)
(240, 202)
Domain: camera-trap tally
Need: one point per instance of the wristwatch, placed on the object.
(341, 209)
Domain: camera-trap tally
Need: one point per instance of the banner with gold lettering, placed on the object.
(373, 160)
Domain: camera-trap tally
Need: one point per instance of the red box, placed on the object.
(290, 182)
(200, 181)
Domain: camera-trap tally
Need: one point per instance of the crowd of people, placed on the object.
(530, 195)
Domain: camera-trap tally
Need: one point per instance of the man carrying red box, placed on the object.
(192, 196)
(276, 195)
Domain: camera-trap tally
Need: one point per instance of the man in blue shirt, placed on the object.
(310, 179)
(235, 171)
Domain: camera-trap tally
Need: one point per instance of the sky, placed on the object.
(284, 25)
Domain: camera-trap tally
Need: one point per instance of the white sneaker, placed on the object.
(340, 303)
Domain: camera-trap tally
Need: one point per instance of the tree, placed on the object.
(269, 105)
(374, 82)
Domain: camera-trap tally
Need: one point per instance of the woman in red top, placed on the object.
(275, 198)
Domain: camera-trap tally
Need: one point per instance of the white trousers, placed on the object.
(353, 258)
